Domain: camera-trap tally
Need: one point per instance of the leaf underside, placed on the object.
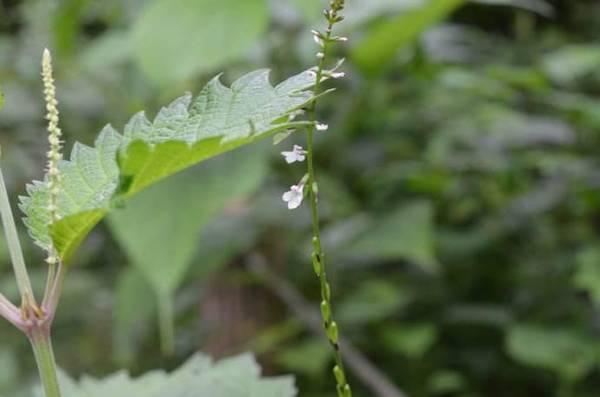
(184, 133)
(234, 377)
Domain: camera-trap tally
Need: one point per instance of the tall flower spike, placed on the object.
(294, 196)
(54, 154)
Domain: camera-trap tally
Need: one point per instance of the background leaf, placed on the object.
(406, 232)
(563, 350)
(379, 47)
(175, 40)
(133, 311)
(587, 275)
(160, 228)
(412, 340)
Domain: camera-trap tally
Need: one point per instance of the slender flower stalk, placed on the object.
(324, 40)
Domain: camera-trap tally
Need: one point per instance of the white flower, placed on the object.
(318, 39)
(322, 127)
(294, 196)
(297, 154)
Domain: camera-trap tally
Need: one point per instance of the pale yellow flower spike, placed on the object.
(54, 154)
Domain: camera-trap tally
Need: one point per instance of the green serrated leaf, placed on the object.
(234, 377)
(183, 133)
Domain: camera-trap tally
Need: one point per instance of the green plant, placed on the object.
(77, 193)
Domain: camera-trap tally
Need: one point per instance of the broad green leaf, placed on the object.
(160, 228)
(133, 311)
(174, 40)
(406, 233)
(381, 45)
(162, 246)
(106, 52)
(234, 377)
(567, 351)
(184, 133)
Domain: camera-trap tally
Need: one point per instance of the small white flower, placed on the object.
(294, 196)
(338, 75)
(322, 127)
(320, 55)
(297, 154)
(318, 40)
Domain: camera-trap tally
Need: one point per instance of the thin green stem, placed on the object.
(44, 357)
(14, 245)
(331, 327)
(50, 281)
(56, 278)
(166, 320)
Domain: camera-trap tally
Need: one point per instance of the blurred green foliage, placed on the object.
(459, 186)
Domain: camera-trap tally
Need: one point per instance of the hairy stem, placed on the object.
(44, 357)
(14, 245)
(331, 327)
